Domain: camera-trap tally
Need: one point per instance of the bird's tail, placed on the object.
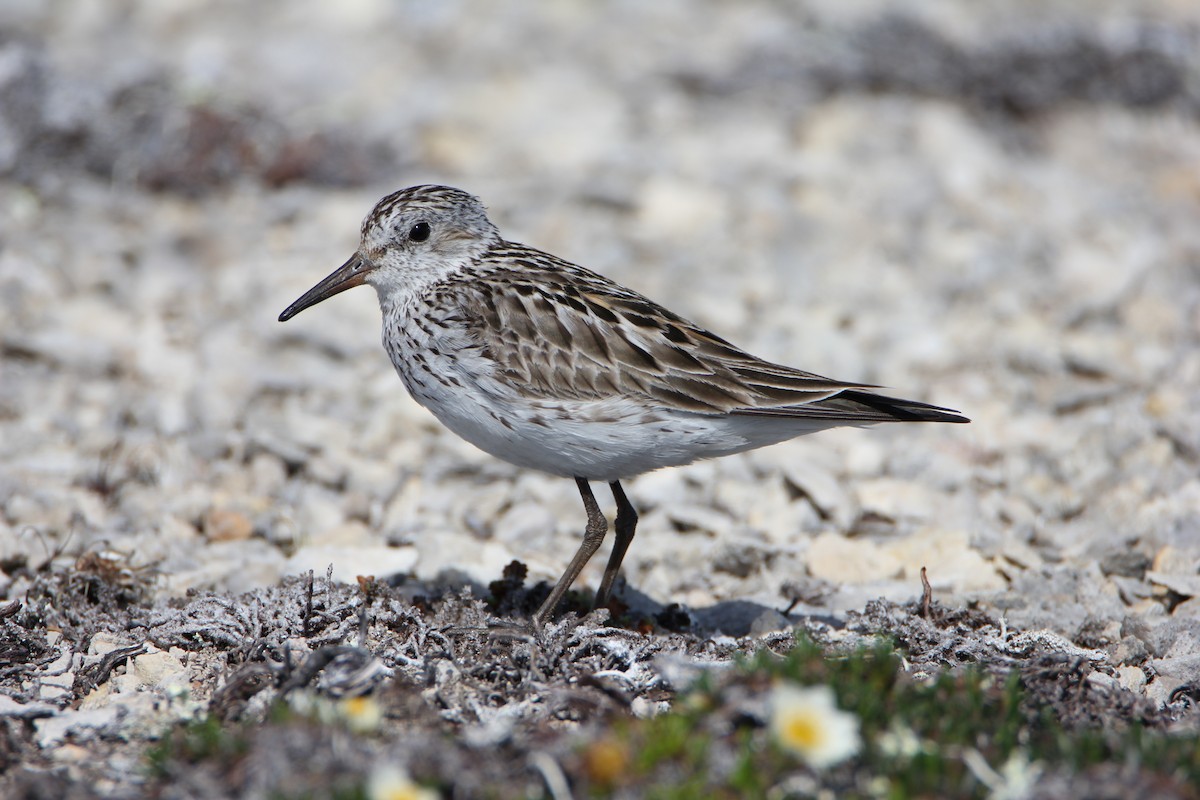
(894, 408)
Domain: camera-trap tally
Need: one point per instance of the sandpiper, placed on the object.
(548, 365)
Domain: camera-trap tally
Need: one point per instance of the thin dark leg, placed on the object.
(626, 523)
(597, 526)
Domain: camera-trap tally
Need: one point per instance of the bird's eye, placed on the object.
(419, 232)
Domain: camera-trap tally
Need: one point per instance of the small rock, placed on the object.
(741, 557)
(104, 643)
(68, 753)
(80, 725)
(487, 561)
(1132, 678)
(268, 473)
(225, 525)
(1186, 585)
(897, 499)
(153, 669)
(327, 469)
(645, 708)
(1104, 681)
(835, 558)
(865, 457)
(1159, 690)
(100, 696)
(700, 518)
(1174, 561)
(1125, 563)
(1175, 637)
(950, 560)
(11, 708)
(1132, 590)
(1189, 609)
(1021, 554)
(1184, 669)
(770, 621)
(824, 491)
(524, 521)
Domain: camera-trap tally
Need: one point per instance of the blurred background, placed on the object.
(990, 206)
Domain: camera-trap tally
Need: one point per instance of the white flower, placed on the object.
(359, 714)
(1016, 779)
(180, 701)
(303, 703)
(807, 722)
(313, 706)
(389, 782)
(899, 742)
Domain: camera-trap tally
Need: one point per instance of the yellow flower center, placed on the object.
(357, 705)
(803, 732)
(606, 761)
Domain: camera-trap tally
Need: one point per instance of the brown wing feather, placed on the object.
(563, 332)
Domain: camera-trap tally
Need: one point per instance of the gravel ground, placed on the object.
(990, 206)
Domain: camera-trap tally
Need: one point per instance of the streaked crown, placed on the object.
(443, 202)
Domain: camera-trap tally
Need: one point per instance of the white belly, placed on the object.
(604, 440)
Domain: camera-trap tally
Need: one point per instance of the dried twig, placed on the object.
(89, 679)
(926, 596)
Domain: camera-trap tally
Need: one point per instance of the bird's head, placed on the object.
(412, 237)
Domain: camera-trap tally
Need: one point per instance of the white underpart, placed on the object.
(607, 439)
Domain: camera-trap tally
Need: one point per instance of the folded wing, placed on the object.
(561, 332)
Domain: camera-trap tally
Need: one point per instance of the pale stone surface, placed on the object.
(840, 560)
(1132, 678)
(950, 560)
(1038, 274)
(159, 669)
